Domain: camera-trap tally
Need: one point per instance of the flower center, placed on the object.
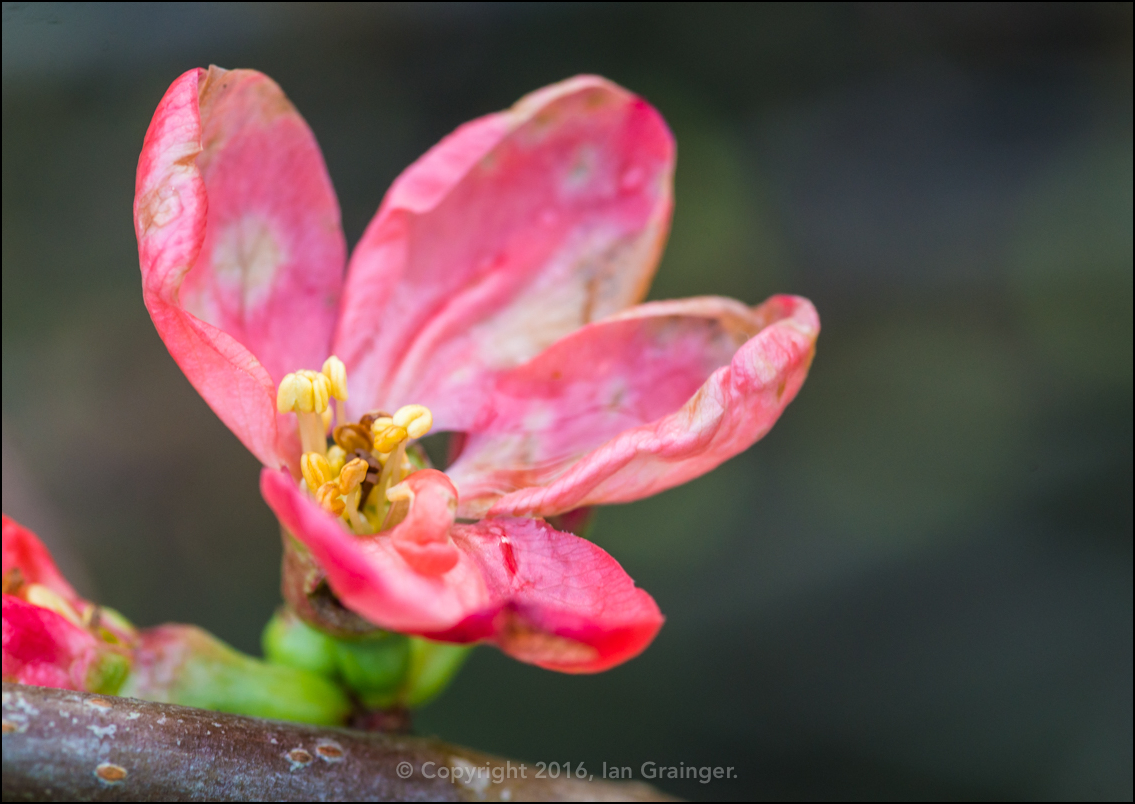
(356, 478)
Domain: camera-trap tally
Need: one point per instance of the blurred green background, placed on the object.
(918, 585)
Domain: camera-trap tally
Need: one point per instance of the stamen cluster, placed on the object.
(357, 476)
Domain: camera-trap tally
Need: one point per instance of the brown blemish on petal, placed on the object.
(230, 99)
(99, 703)
(159, 205)
(110, 773)
(209, 90)
(10, 727)
(329, 752)
(299, 756)
(536, 647)
(596, 98)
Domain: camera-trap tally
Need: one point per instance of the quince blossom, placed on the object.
(52, 637)
(494, 296)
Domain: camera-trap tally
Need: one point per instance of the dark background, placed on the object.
(919, 584)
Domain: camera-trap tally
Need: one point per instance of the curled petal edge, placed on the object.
(170, 216)
(735, 407)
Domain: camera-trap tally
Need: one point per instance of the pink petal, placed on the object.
(25, 552)
(371, 574)
(510, 233)
(240, 245)
(544, 597)
(638, 403)
(567, 605)
(42, 648)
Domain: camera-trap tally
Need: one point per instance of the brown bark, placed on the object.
(61, 745)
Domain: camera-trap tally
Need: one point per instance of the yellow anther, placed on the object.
(316, 470)
(320, 389)
(46, 598)
(387, 434)
(307, 396)
(303, 392)
(328, 498)
(352, 475)
(336, 457)
(286, 394)
(416, 419)
(336, 373)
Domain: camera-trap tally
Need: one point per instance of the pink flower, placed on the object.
(52, 637)
(493, 295)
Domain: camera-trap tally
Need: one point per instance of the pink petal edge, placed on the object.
(514, 230)
(568, 605)
(657, 416)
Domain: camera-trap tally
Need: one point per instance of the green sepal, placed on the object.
(432, 666)
(107, 673)
(193, 668)
(289, 641)
(372, 667)
(382, 670)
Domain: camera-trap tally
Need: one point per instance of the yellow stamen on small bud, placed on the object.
(316, 470)
(13, 581)
(46, 598)
(328, 498)
(91, 617)
(336, 458)
(354, 472)
(400, 497)
(387, 434)
(336, 374)
(416, 419)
